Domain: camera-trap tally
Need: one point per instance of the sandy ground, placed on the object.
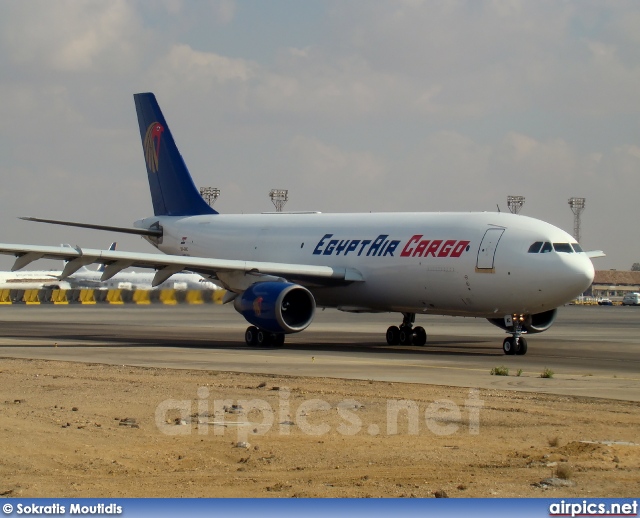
(81, 430)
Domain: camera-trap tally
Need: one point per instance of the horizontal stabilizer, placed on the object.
(595, 253)
(122, 230)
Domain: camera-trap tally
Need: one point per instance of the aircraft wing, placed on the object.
(167, 265)
(595, 253)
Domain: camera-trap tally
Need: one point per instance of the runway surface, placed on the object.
(593, 351)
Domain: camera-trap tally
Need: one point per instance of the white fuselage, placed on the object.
(474, 264)
(32, 280)
(139, 281)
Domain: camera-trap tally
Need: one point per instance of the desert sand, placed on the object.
(86, 430)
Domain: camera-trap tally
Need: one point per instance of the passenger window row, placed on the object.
(542, 248)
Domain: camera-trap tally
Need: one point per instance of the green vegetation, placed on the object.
(547, 373)
(500, 371)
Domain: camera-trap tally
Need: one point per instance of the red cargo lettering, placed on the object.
(459, 248)
(446, 248)
(421, 248)
(433, 248)
(406, 251)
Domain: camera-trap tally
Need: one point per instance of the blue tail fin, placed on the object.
(173, 192)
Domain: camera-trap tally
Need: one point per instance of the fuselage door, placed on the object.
(487, 250)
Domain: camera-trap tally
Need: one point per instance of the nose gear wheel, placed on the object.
(515, 344)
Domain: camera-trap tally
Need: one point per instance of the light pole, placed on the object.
(515, 203)
(210, 194)
(279, 197)
(577, 206)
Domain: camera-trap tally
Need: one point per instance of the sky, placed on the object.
(353, 106)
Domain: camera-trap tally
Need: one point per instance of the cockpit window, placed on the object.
(535, 247)
(563, 247)
(542, 248)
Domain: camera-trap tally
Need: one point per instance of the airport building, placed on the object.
(614, 284)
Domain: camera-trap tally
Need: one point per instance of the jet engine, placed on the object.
(277, 307)
(532, 323)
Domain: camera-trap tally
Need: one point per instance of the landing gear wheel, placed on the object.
(262, 338)
(393, 335)
(406, 335)
(251, 335)
(419, 336)
(278, 340)
(522, 346)
(508, 345)
(516, 344)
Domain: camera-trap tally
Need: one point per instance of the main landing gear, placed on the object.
(255, 336)
(406, 334)
(515, 344)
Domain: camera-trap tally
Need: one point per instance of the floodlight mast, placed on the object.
(210, 194)
(577, 206)
(279, 197)
(515, 204)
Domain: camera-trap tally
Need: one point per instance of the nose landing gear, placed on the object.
(406, 334)
(515, 344)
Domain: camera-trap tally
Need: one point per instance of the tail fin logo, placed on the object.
(152, 145)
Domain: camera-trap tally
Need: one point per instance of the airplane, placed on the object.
(278, 268)
(140, 281)
(86, 278)
(32, 280)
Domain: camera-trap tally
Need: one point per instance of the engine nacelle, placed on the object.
(278, 307)
(532, 323)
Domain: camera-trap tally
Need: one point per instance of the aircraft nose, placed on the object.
(579, 273)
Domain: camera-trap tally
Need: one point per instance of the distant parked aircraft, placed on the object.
(32, 280)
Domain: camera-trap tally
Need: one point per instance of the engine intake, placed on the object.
(278, 307)
(532, 323)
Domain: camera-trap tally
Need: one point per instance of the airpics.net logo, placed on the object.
(593, 508)
(315, 417)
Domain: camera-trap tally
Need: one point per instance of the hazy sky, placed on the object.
(351, 105)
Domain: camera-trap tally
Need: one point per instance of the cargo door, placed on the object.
(487, 250)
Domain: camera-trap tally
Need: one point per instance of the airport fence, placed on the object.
(115, 296)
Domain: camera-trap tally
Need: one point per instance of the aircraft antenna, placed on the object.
(279, 197)
(577, 206)
(210, 194)
(515, 204)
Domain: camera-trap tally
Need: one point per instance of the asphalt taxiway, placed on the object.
(593, 351)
